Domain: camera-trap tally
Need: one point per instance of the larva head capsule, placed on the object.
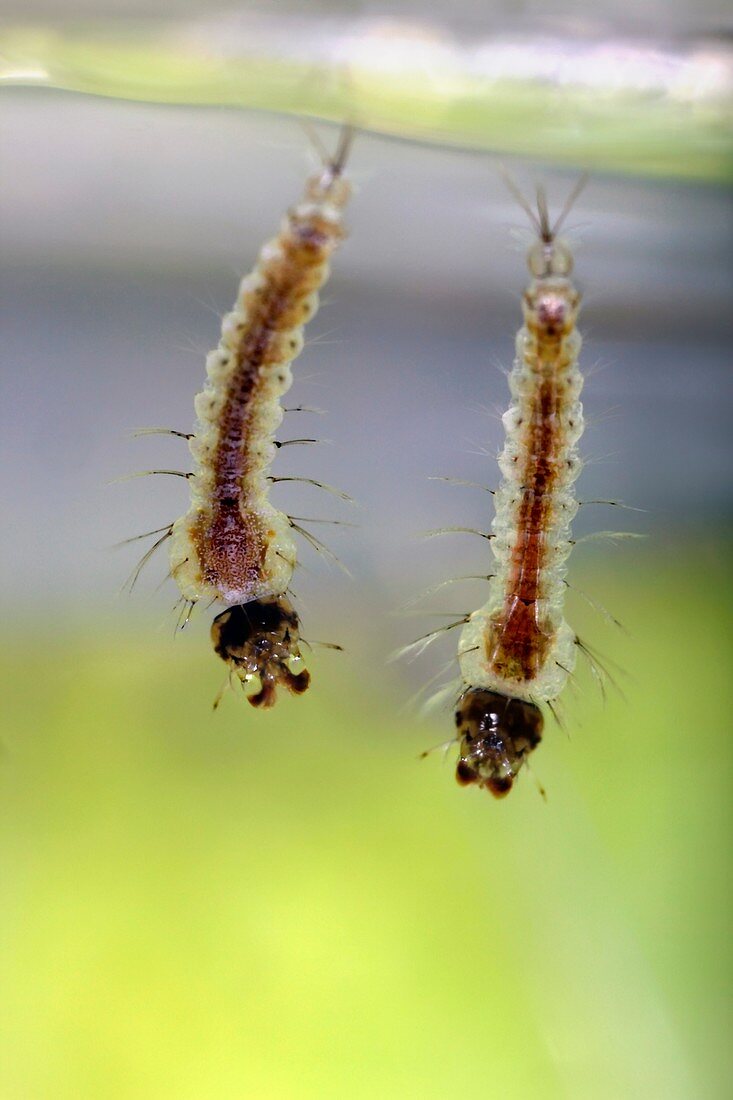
(260, 643)
(496, 734)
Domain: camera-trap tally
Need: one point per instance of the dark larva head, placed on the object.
(496, 734)
(260, 643)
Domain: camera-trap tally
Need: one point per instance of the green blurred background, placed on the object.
(292, 904)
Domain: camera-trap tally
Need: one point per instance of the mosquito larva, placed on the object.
(233, 546)
(518, 651)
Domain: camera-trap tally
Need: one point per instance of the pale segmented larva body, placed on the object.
(233, 546)
(518, 650)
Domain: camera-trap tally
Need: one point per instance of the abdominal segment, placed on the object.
(517, 641)
(231, 547)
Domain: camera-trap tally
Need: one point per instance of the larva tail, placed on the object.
(333, 162)
(540, 218)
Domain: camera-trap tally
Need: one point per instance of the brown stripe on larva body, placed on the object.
(231, 538)
(520, 634)
(518, 640)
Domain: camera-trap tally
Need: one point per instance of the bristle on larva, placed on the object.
(517, 650)
(233, 546)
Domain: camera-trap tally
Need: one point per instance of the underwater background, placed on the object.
(292, 904)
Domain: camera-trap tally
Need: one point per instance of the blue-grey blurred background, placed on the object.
(125, 228)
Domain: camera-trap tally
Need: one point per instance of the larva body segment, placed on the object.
(518, 650)
(233, 546)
